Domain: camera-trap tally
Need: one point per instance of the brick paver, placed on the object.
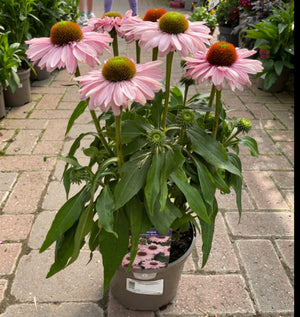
(250, 271)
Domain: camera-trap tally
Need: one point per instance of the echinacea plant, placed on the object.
(157, 158)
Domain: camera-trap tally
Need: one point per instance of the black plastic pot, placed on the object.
(149, 289)
(226, 35)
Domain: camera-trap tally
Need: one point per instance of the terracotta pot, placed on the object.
(149, 289)
(22, 93)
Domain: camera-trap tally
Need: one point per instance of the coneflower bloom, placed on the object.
(108, 22)
(119, 82)
(128, 27)
(67, 45)
(223, 62)
(173, 31)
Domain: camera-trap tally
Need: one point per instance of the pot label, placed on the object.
(145, 287)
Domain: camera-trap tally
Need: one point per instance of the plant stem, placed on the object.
(100, 134)
(186, 90)
(211, 98)
(217, 112)
(137, 52)
(167, 92)
(118, 140)
(115, 46)
(154, 53)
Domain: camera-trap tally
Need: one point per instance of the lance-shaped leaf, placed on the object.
(63, 250)
(133, 179)
(207, 233)
(153, 182)
(210, 149)
(113, 249)
(76, 113)
(105, 209)
(66, 217)
(206, 180)
(249, 143)
(192, 196)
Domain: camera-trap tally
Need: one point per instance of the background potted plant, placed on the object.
(9, 63)
(14, 15)
(155, 159)
(251, 12)
(201, 13)
(274, 37)
(227, 13)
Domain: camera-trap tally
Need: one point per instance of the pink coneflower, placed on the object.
(152, 264)
(108, 22)
(162, 239)
(173, 31)
(223, 62)
(119, 82)
(67, 45)
(156, 249)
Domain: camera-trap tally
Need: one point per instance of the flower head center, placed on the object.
(64, 32)
(112, 14)
(173, 23)
(157, 137)
(154, 14)
(222, 54)
(118, 68)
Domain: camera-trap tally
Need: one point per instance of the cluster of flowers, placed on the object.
(246, 3)
(153, 252)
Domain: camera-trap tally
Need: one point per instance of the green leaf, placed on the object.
(76, 113)
(135, 213)
(85, 225)
(236, 182)
(162, 220)
(210, 149)
(157, 108)
(113, 249)
(270, 79)
(249, 143)
(206, 181)
(153, 181)
(192, 196)
(278, 66)
(63, 250)
(207, 233)
(66, 217)
(105, 209)
(133, 179)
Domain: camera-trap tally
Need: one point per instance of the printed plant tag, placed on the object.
(153, 251)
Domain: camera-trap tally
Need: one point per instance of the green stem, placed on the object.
(167, 92)
(211, 98)
(186, 90)
(115, 46)
(100, 134)
(137, 52)
(154, 53)
(217, 112)
(118, 140)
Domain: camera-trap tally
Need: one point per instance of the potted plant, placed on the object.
(14, 15)
(251, 12)
(227, 13)
(9, 63)
(274, 37)
(156, 158)
(202, 14)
